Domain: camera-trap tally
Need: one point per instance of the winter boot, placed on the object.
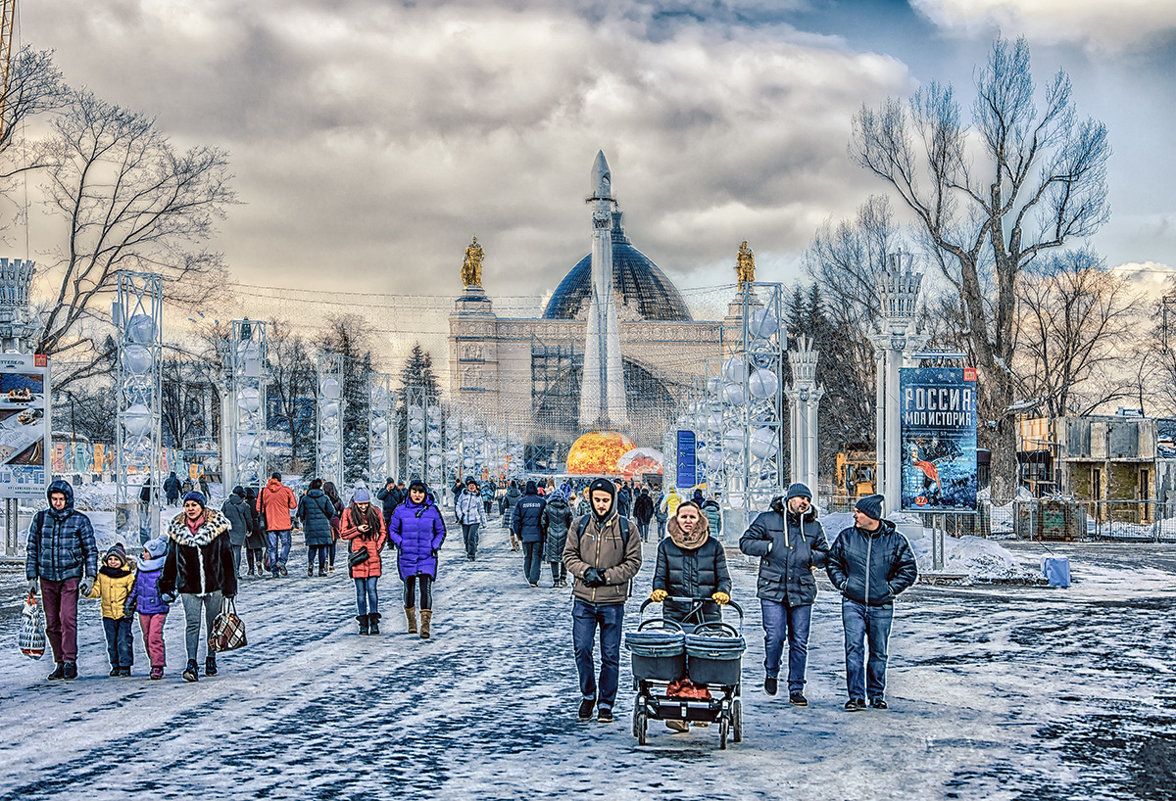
(374, 623)
(58, 672)
(410, 613)
(115, 670)
(191, 673)
(363, 623)
(210, 665)
(310, 571)
(71, 671)
(426, 619)
(157, 671)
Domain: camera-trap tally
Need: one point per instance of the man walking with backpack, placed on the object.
(603, 557)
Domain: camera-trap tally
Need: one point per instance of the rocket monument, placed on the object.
(602, 391)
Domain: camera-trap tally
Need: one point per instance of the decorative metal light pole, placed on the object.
(898, 295)
(804, 398)
(247, 450)
(138, 318)
(15, 277)
(329, 442)
(415, 399)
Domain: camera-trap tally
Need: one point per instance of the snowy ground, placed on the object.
(996, 693)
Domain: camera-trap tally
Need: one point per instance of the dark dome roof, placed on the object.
(641, 283)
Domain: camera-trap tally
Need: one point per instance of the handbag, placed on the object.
(261, 511)
(32, 630)
(357, 557)
(228, 630)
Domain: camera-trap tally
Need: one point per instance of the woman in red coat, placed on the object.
(363, 526)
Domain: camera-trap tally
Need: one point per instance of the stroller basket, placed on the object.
(714, 659)
(657, 654)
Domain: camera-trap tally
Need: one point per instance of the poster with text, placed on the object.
(938, 439)
(24, 426)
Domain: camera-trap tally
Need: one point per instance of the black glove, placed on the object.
(594, 577)
(33, 585)
(129, 610)
(84, 587)
(168, 598)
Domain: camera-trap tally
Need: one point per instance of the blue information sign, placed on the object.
(687, 472)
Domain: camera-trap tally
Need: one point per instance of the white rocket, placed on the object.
(602, 391)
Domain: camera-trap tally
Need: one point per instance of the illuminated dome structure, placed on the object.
(597, 453)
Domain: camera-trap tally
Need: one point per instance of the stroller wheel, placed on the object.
(736, 721)
(641, 724)
(724, 728)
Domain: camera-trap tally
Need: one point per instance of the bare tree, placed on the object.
(129, 201)
(844, 260)
(291, 388)
(1038, 180)
(34, 87)
(1075, 319)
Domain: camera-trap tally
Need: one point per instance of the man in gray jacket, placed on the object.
(871, 563)
(790, 543)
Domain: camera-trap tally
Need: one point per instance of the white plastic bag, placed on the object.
(32, 630)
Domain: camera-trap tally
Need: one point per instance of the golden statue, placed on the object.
(745, 265)
(471, 268)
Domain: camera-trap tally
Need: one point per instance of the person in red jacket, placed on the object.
(274, 502)
(363, 526)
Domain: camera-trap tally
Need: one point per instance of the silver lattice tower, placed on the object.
(15, 276)
(602, 391)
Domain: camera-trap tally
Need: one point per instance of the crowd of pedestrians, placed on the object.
(595, 533)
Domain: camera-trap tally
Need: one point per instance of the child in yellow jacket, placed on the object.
(115, 581)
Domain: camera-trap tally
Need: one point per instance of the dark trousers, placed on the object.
(120, 641)
(236, 559)
(469, 534)
(60, 599)
(426, 586)
(872, 624)
(782, 622)
(321, 551)
(256, 559)
(532, 561)
(558, 571)
(586, 619)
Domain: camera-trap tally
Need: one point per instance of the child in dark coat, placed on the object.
(145, 598)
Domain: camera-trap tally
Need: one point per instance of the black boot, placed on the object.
(191, 673)
(210, 665)
(374, 623)
(71, 671)
(58, 672)
(363, 623)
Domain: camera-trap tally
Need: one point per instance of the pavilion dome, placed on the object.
(641, 284)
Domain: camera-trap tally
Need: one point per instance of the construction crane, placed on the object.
(7, 27)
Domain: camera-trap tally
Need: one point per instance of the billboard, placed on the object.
(25, 446)
(938, 439)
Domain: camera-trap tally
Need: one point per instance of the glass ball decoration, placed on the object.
(137, 420)
(762, 324)
(733, 440)
(735, 369)
(141, 329)
(379, 426)
(733, 394)
(330, 388)
(763, 443)
(249, 399)
(415, 451)
(248, 447)
(762, 383)
(137, 360)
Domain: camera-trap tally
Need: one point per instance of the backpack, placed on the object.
(583, 521)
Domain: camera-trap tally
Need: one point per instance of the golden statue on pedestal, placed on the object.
(471, 268)
(745, 265)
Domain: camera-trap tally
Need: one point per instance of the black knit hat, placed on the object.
(798, 490)
(871, 506)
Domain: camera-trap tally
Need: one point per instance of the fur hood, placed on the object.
(215, 524)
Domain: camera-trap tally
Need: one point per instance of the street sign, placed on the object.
(686, 474)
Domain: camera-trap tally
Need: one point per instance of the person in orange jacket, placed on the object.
(275, 502)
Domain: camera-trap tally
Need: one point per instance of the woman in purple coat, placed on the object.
(416, 529)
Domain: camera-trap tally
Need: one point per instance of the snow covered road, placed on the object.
(996, 693)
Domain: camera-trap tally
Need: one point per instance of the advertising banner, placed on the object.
(938, 439)
(25, 447)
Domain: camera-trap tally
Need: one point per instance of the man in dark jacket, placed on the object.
(643, 512)
(527, 525)
(555, 522)
(388, 497)
(603, 558)
(791, 544)
(625, 500)
(236, 509)
(871, 563)
(171, 487)
(62, 553)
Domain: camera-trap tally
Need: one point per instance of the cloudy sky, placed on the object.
(371, 138)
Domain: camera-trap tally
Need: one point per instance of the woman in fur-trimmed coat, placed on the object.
(199, 568)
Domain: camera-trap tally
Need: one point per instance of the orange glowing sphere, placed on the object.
(598, 452)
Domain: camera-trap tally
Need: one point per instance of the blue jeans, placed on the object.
(366, 599)
(278, 555)
(661, 530)
(870, 623)
(585, 620)
(780, 621)
(119, 641)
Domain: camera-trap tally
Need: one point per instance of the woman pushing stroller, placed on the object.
(690, 564)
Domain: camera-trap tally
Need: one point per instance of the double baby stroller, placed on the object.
(665, 653)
